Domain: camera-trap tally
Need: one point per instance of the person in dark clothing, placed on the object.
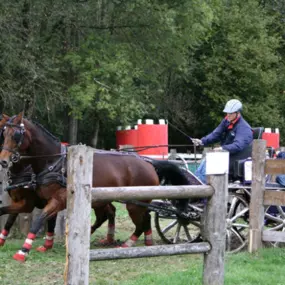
(234, 134)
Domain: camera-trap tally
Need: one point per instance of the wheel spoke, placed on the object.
(281, 212)
(232, 207)
(276, 228)
(238, 215)
(238, 236)
(170, 226)
(177, 233)
(240, 225)
(273, 218)
(188, 235)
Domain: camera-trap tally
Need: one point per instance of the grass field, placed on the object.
(263, 268)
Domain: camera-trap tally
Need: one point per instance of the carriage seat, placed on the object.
(239, 164)
(257, 133)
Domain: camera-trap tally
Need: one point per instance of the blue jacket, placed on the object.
(234, 139)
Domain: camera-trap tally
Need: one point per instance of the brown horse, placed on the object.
(31, 142)
(23, 196)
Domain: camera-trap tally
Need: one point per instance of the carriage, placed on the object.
(174, 226)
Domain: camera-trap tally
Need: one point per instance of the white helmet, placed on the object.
(233, 106)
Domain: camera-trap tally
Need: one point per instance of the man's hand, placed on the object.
(218, 148)
(197, 142)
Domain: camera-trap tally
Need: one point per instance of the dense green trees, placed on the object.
(109, 62)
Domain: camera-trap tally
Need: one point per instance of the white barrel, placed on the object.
(267, 130)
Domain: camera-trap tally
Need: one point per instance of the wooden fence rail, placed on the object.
(81, 193)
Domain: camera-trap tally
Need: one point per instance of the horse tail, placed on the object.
(170, 173)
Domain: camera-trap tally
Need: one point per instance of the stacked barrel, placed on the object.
(146, 137)
(272, 137)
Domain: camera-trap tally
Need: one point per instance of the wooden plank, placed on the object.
(274, 197)
(275, 166)
(149, 251)
(79, 182)
(273, 236)
(151, 192)
(256, 209)
(214, 220)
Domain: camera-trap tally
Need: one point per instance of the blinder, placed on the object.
(18, 136)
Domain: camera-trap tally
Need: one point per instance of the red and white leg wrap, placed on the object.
(3, 236)
(148, 238)
(111, 233)
(21, 254)
(48, 243)
(29, 241)
(130, 242)
(110, 236)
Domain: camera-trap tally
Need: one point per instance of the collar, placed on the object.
(231, 124)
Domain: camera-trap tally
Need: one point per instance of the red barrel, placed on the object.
(153, 135)
(272, 139)
(126, 137)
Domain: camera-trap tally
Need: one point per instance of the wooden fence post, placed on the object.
(80, 168)
(214, 220)
(215, 230)
(256, 209)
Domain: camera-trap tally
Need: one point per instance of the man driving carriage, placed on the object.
(234, 134)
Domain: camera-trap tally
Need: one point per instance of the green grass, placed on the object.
(265, 267)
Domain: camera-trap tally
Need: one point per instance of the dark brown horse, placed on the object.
(34, 144)
(22, 192)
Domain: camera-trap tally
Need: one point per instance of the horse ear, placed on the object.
(19, 118)
(5, 117)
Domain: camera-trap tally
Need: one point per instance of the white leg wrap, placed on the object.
(21, 252)
(2, 236)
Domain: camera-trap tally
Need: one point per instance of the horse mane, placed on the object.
(46, 131)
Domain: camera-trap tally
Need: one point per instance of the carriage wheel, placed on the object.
(237, 223)
(173, 230)
(274, 221)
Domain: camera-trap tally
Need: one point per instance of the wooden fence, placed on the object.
(260, 197)
(80, 194)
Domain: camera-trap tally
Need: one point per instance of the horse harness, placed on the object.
(55, 172)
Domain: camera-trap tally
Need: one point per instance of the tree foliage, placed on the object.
(116, 61)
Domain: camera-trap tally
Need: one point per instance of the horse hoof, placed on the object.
(123, 246)
(19, 257)
(106, 242)
(2, 242)
(43, 248)
(148, 243)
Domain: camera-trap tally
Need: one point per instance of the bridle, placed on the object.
(18, 137)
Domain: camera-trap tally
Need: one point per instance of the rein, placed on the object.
(42, 156)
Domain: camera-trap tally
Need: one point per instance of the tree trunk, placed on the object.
(94, 140)
(72, 128)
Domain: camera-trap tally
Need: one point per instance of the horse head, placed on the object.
(16, 139)
(3, 120)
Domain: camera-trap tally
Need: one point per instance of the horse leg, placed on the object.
(107, 212)
(13, 210)
(5, 231)
(148, 241)
(49, 235)
(51, 209)
(141, 219)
